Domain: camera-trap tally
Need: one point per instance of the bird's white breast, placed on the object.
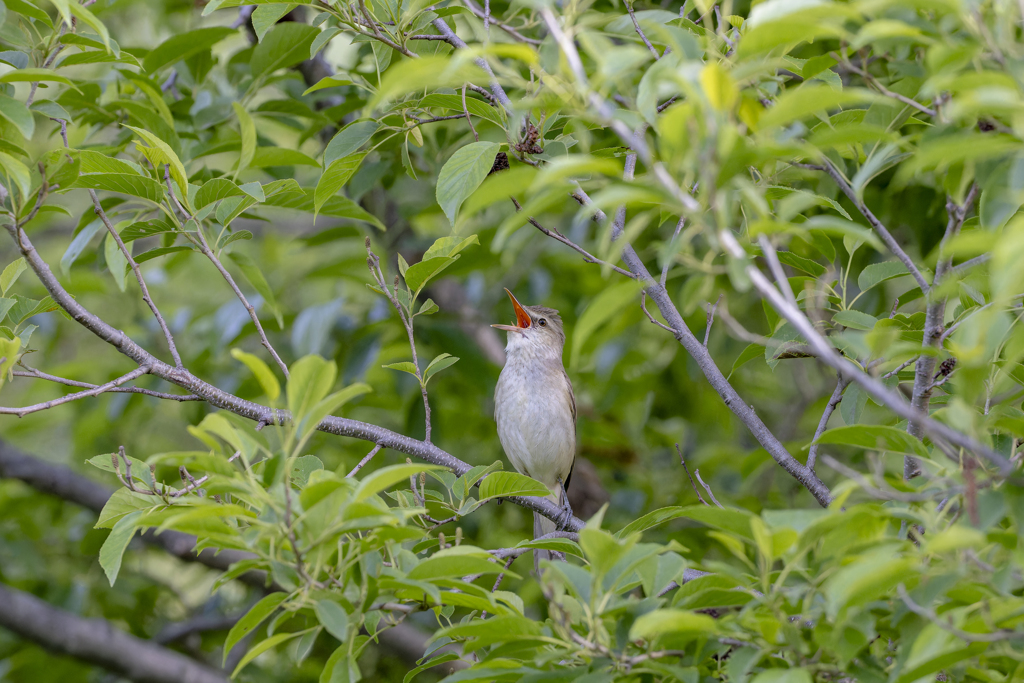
(533, 409)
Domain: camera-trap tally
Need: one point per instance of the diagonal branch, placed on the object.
(97, 641)
(205, 248)
(830, 407)
(878, 226)
(874, 388)
(640, 31)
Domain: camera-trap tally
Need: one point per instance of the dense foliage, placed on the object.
(232, 224)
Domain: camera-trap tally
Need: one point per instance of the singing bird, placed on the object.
(535, 408)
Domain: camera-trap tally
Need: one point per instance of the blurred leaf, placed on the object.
(875, 437)
(462, 174)
(116, 543)
(263, 374)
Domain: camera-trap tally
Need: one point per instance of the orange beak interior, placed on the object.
(522, 317)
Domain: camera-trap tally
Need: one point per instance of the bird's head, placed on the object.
(536, 328)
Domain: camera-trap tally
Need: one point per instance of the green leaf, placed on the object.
(266, 15)
(449, 246)
(562, 545)
(879, 272)
(443, 361)
(214, 190)
(184, 45)
(159, 153)
(283, 46)
(654, 518)
(81, 12)
(875, 437)
(333, 617)
(462, 174)
(333, 178)
(263, 374)
(673, 622)
(856, 320)
(403, 366)
(9, 353)
(428, 308)
(808, 99)
(329, 405)
(337, 206)
(18, 114)
(29, 75)
(11, 274)
(388, 476)
(503, 484)
(263, 646)
(116, 261)
(349, 139)
(310, 380)
(123, 183)
(442, 566)
(279, 156)
(117, 542)
(607, 304)
(253, 618)
(794, 675)
(421, 273)
(326, 81)
(247, 129)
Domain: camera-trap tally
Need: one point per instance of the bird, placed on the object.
(535, 409)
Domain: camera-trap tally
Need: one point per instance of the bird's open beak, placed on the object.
(522, 317)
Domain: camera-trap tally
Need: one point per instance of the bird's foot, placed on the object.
(565, 516)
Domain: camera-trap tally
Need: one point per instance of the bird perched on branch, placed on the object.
(535, 408)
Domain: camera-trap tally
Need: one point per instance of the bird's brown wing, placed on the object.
(572, 404)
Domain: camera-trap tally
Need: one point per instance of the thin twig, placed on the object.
(686, 469)
(830, 407)
(827, 353)
(878, 226)
(711, 318)
(362, 463)
(22, 412)
(707, 488)
(643, 307)
(781, 279)
(947, 626)
(38, 374)
(205, 248)
(887, 493)
(98, 209)
(671, 250)
(640, 31)
(556, 235)
(902, 366)
(504, 27)
(465, 110)
(373, 262)
(882, 89)
(380, 36)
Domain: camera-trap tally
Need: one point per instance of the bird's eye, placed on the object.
(542, 322)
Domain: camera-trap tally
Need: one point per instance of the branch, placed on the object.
(686, 469)
(947, 626)
(830, 407)
(640, 31)
(380, 36)
(828, 355)
(884, 233)
(38, 374)
(96, 641)
(935, 315)
(472, 7)
(465, 110)
(457, 43)
(707, 488)
(557, 235)
(362, 463)
(205, 248)
(22, 412)
(373, 262)
(248, 409)
(714, 375)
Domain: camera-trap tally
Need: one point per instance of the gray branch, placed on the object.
(96, 641)
(700, 353)
(935, 314)
(825, 352)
